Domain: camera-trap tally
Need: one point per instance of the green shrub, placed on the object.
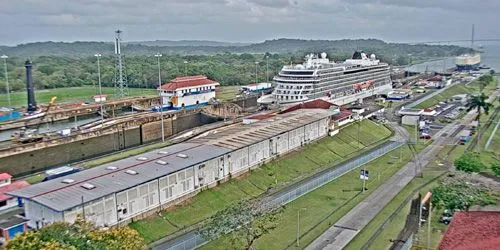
(496, 167)
(470, 163)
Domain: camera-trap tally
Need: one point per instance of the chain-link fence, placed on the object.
(330, 175)
(192, 240)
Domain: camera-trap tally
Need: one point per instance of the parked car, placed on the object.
(425, 136)
(446, 217)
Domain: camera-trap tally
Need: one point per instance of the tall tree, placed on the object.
(480, 104)
(244, 223)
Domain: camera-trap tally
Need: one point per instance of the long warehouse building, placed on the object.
(141, 185)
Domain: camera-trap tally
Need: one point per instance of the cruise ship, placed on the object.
(340, 83)
(468, 62)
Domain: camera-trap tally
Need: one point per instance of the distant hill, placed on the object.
(194, 43)
(193, 47)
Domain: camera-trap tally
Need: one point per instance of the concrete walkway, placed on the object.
(340, 234)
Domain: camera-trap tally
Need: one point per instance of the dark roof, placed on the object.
(61, 196)
(472, 230)
(11, 221)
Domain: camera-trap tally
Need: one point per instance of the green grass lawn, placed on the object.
(227, 92)
(18, 99)
(324, 206)
(472, 88)
(278, 173)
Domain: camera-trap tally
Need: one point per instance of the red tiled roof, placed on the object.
(472, 230)
(187, 81)
(5, 176)
(13, 186)
(437, 78)
(314, 104)
(343, 114)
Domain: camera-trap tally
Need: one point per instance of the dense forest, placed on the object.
(73, 64)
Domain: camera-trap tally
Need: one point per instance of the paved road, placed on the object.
(340, 234)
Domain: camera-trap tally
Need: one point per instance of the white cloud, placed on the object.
(245, 20)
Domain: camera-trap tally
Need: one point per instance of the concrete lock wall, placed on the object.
(247, 103)
(48, 157)
(152, 131)
(182, 123)
(37, 160)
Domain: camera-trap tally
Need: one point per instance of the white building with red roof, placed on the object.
(6, 185)
(187, 92)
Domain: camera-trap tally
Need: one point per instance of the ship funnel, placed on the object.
(30, 89)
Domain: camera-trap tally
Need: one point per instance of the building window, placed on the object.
(3, 203)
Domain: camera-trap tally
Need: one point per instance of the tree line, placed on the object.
(141, 71)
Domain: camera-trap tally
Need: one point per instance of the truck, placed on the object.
(465, 137)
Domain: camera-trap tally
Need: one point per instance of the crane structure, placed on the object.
(26, 135)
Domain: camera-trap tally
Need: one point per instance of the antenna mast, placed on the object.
(472, 39)
(120, 82)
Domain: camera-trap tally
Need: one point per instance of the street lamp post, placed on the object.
(185, 68)
(256, 71)
(161, 98)
(298, 225)
(98, 56)
(7, 89)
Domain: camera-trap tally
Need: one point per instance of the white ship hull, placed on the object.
(319, 78)
(343, 100)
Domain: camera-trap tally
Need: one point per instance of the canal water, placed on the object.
(490, 57)
(61, 125)
(51, 127)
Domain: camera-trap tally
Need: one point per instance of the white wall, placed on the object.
(137, 199)
(39, 215)
(101, 212)
(12, 202)
(239, 160)
(176, 184)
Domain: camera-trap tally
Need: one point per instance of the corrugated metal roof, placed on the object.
(241, 135)
(107, 180)
(60, 196)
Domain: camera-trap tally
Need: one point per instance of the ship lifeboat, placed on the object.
(360, 86)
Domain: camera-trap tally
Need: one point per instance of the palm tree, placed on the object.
(479, 103)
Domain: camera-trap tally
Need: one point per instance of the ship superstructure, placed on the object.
(342, 83)
(468, 62)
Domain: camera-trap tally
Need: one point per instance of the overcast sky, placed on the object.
(246, 20)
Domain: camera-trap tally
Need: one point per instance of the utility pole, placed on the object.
(98, 56)
(298, 225)
(267, 68)
(359, 124)
(256, 71)
(185, 68)
(7, 89)
(158, 55)
(472, 38)
(429, 226)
